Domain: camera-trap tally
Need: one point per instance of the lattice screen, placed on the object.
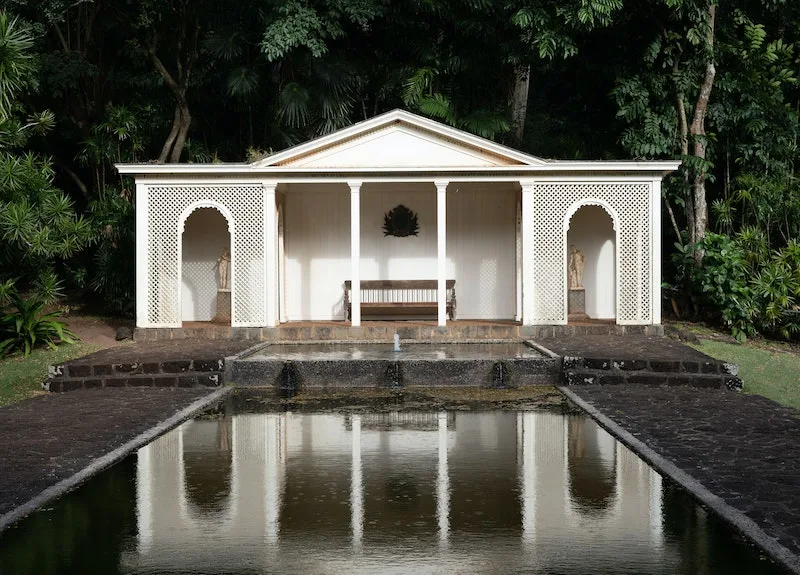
(246, 205)
(632, 204)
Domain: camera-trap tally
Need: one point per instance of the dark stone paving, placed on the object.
(624, 347)
(742, 448)
(51, 437)
(164, 351)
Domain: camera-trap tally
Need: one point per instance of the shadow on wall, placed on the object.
(205, 236)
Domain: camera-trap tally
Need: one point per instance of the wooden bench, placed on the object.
(400, 297)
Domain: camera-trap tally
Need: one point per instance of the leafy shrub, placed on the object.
(748, 288)
(720, 286)
(24, 325)
(776, 293)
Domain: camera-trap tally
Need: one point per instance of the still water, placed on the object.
(496, 492)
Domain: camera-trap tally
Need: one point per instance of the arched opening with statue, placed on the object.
(591, 255)
(206, 267)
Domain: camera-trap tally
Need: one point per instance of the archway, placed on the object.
(205, 236)
(592, 231)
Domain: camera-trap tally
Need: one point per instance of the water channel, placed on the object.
(493, 492)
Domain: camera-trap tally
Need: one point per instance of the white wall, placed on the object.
(389, 257)
(592, 231)
(481, 249)
(317, 250)
(480, 245)
(204, 237)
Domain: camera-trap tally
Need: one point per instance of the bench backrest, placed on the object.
(399, 291)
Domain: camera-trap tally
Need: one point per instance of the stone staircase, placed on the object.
(684, 372)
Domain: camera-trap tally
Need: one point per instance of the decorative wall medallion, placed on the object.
(400, 222)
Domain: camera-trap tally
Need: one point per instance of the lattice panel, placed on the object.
(246, 206)
(632, 204)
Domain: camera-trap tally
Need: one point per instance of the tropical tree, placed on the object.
(39, 228)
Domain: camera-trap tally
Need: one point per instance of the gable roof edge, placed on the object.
(395, 117)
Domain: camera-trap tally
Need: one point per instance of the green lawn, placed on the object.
(773, 374)
(21, 378)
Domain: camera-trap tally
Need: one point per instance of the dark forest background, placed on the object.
(84, 84)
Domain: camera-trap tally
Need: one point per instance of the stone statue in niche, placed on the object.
(223, 265)
(575, 270)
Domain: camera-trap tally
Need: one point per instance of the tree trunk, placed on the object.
(169, 143)
(519, 101)
(699, 214)
(180, 139)
(178, 84)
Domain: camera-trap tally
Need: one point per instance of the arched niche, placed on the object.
(205, 232)
(591, 465)
(591, 227)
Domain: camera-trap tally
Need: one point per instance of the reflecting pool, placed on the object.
(493, 492)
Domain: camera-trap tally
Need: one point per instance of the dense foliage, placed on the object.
(85, 84)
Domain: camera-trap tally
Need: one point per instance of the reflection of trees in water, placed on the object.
(207, 459)
(88, 528)
(592, 479)
(704, 542)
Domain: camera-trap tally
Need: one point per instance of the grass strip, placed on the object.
(771, 373)
(21, 377)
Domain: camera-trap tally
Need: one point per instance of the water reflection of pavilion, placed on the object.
(476, 490)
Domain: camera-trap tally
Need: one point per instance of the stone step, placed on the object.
(685, 366)
(171, 368)
(587, 376)
(179, 379)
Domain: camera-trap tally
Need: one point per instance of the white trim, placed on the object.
(655, 254)
(555, 168)
(331, 179)
(355, 253)
(615, 222)
(396, 117)
(142, 250)
(270, 256)
(441, 250)
(226, 213)
(528, 242)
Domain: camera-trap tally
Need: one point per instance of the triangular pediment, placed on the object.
(399, 139)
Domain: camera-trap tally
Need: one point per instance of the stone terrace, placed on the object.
(742, 448)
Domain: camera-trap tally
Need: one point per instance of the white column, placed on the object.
(142, 273)
(272, 480)
(270, 254)
(528, 478)
(518, 258)
(443, 484)
(355, 253)
(655, 255)
(441, 249)
(356, 487)
(528, 285)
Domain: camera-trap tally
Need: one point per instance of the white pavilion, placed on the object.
(393, 211)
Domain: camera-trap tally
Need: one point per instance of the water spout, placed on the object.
(397, 342)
